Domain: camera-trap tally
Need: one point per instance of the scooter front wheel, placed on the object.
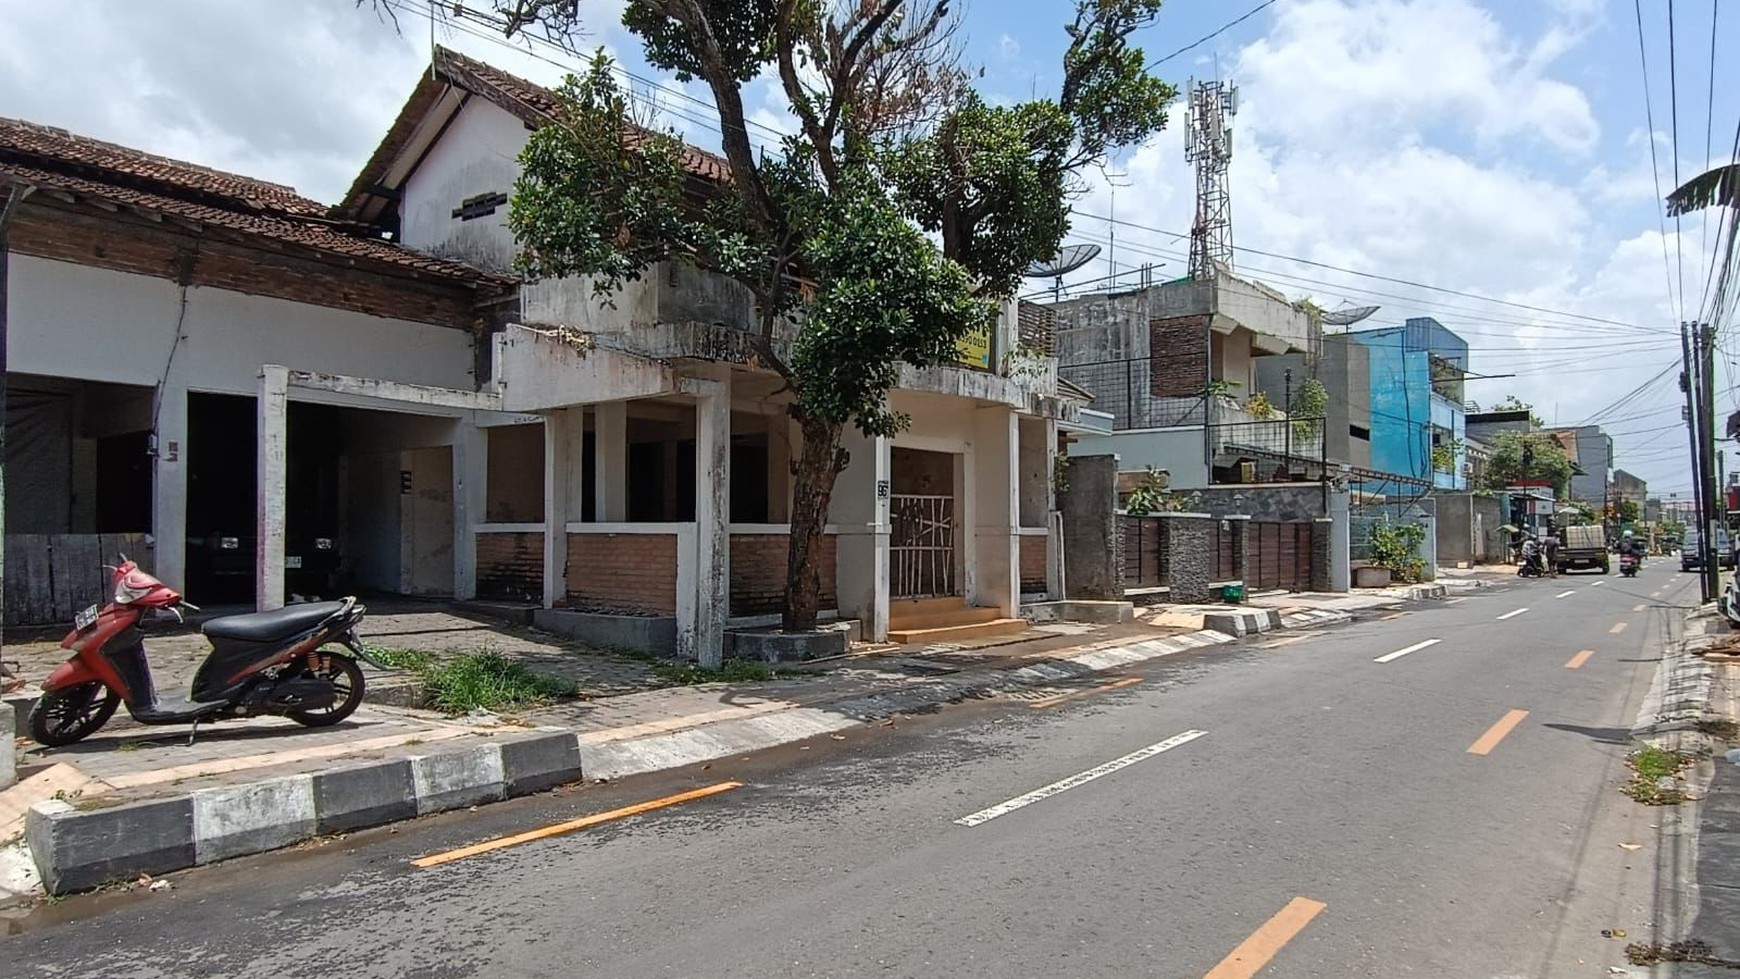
(70, 714)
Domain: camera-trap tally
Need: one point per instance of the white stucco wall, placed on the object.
(1178, 451)
(478, 154)
(67, 320)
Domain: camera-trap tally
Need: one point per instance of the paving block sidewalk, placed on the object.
(249, 786)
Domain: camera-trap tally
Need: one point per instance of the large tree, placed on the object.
(1526, 457)
(882, 234)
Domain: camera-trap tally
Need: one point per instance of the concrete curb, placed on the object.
(1420, 593)
(78, 849)
(1243, 622)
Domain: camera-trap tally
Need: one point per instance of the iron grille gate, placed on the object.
(922, 549)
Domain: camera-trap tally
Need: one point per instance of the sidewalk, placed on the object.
(258, 784)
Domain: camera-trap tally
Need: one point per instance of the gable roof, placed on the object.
(71, 167)
(441, 92)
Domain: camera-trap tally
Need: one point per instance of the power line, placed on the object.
(1654, 164)
(1213, 34)
(1384, 278)
(1674, 114)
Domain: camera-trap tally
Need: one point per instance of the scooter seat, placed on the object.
(274, 625)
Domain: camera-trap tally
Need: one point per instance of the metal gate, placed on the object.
(922, 549)
(1280, 556)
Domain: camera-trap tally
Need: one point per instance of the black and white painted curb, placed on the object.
(76, 849)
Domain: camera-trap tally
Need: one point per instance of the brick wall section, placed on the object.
(1191, 541)
(1036, 326)
(510, 567)
(758, 564)
(1179, 348)
(1321, 554)
(159, 252)
(623, 574)
(1033, 550)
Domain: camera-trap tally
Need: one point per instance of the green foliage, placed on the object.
(1221, 388)
(1310, 405)
(1649, 766)
(1629, 511)
(1152, 496)
(1396, 545)
(1259, 407)
(487, 680)
(1444, 455)
(1519, 456)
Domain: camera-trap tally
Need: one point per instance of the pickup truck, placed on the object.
(1584, 548)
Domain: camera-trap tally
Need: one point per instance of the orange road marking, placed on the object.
(1496, 733)
(1618, 627)
(1256, 951)
(557, 829)
(1102, 688)
(1578, 660)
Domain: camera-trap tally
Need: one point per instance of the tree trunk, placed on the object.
(819, 463)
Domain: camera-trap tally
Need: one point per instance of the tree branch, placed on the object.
(799, 96)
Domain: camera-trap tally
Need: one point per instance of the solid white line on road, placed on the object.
(1099, 771)
(1398, 654)
(1566, 594)
(1512, 615)
(1598, 584)
(1454, 601)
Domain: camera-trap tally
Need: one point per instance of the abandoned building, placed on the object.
(372, 380)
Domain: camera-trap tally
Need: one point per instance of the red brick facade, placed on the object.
(758, 563)
(125, 246)
(1033, 549)
(634, 574)
(510, 567)
(1179, 351)
(1036, 325)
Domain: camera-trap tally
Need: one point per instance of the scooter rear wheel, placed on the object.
(347, 676)
(69, 714)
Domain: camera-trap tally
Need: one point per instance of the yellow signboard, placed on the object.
(975, 348)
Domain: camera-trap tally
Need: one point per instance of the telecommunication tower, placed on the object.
(1208, 144)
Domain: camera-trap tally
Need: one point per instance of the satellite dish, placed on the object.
(1347, 317)
(1072, 257)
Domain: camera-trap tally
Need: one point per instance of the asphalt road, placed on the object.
(1288, 807)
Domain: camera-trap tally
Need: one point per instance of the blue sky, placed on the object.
(1495, 147)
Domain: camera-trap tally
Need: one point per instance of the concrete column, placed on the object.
(1093, 564)
(1340, 542)
(272, 411)
(610, 461)
(860, 510)
(559, 447)
(996, 516)
(712, 510)
(1190, 545)
(1239, 526)
(470, 474)
(169, 490)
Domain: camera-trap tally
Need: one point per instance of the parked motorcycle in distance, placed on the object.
(1531, 565)
(1628, 565)
(274, 663)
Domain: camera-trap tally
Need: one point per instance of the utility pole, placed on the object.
(1714, 518)
(1690, 385)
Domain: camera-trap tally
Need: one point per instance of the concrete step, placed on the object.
(962, 615)
(899, 607)
(957, 633)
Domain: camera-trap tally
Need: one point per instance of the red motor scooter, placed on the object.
(261, 663)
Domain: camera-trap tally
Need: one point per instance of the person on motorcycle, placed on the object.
(1531, 557)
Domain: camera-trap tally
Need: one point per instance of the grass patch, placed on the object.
(489, 681)
(678, 672)
(1649, 765)
(415, 660)
(1721, 727)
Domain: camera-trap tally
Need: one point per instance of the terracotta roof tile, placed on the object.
(296, 229)
(19, 138)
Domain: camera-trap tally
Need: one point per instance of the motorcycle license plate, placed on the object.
(86, 618)
(293, 562)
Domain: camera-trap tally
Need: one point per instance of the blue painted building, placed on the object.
(1416, 401)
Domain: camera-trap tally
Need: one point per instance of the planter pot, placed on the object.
(1371, 577)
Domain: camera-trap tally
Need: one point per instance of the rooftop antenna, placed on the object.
(1112, 229)
(1208, 144)
(1067, 260)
